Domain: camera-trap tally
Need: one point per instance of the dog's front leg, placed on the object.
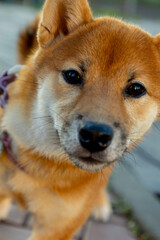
(4, 207)
(102, 211)
(58, 216)
(38, 235)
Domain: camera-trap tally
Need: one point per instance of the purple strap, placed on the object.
(5, 80)
(7, 143)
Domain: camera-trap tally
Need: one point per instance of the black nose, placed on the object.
(95, 137)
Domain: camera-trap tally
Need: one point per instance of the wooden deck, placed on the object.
(144, 162)
(19, 223)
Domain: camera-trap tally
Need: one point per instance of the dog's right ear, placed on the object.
(156, 40)
(61, 17)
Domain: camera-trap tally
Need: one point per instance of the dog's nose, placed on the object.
(95, 137)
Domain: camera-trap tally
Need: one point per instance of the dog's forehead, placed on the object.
(110, 48)
(110, 33)
(107, 40)
(119, 41)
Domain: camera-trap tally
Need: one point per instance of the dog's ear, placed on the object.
(60, 17)
(156, 40)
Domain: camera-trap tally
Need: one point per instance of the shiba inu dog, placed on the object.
(89, 90)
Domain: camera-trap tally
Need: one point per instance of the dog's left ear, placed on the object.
(61, 17)
(156, 40)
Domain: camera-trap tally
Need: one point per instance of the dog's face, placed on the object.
(99, 86)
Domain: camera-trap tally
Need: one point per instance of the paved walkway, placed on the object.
(144, 163)
(19, 223)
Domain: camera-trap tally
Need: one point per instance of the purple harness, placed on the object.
(7, 78)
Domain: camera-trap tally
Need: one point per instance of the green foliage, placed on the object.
(150, 2)
(121, 208)
(105, 12)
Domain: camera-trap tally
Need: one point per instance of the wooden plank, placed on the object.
(146, 168)
(13, 233)
(144, 161)
(103, 231)
(15, 216)
(29, 221)
(143, 203)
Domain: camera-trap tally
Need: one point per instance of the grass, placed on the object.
(105, 12)
(100, 12)
(152, 3)
(122, 209)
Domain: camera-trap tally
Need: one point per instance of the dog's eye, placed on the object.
(72, 77)
(136, 90)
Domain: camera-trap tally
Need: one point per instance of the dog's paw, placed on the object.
(102, 213)
(4, 208)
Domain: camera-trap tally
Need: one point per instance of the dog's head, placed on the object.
(97, 87)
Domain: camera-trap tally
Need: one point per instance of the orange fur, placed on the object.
(109, 52)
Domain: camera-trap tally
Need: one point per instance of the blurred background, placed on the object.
(136, 179)
(136, 8)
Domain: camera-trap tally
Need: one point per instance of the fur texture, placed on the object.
(44, 113)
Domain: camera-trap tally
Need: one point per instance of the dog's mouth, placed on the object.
(89, 164)
(90, 160)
